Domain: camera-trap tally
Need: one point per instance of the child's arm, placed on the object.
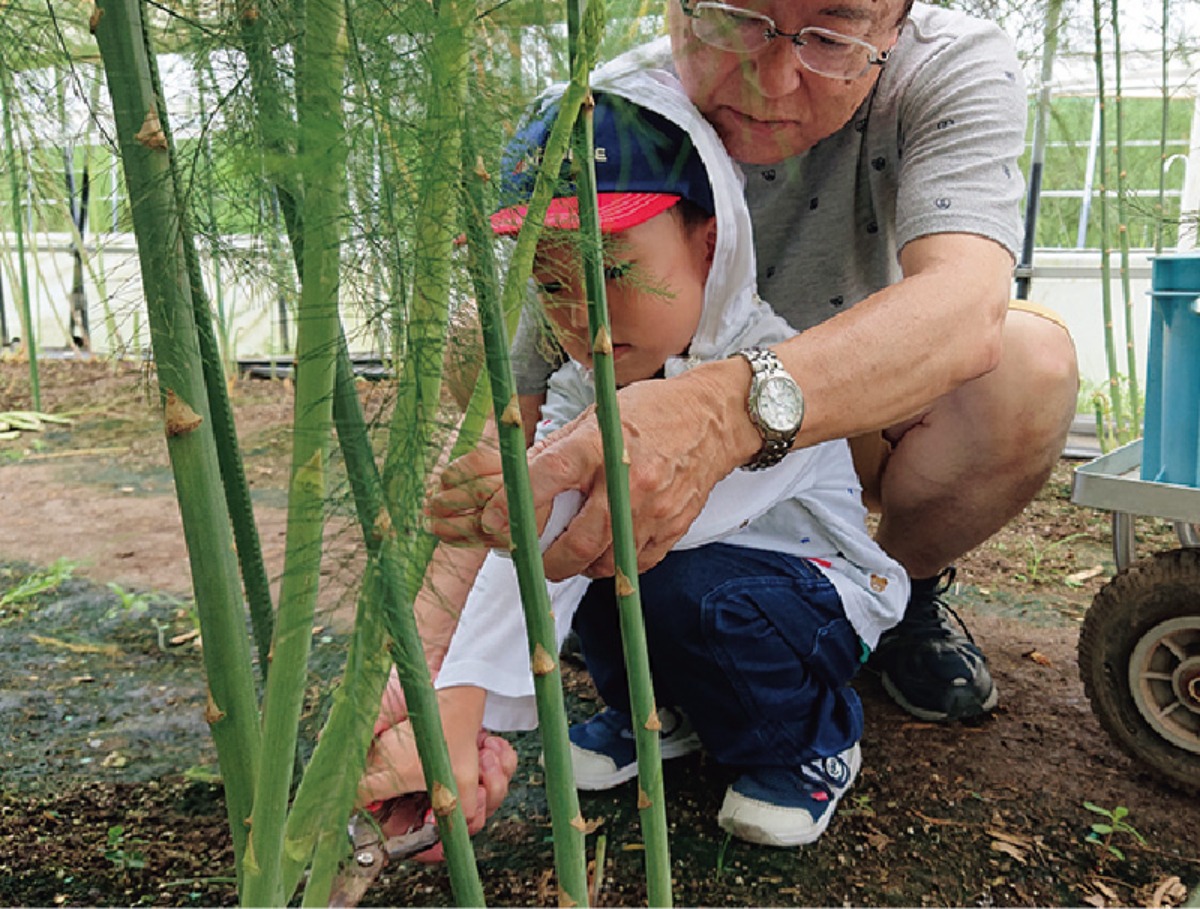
(439, 604)
(461, 708)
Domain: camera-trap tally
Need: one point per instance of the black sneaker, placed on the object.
(928, 665)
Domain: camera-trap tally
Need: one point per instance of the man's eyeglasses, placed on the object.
(819, 50)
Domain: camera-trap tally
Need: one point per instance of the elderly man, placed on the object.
(879, 144)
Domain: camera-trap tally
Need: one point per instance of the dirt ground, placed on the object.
(107, 793)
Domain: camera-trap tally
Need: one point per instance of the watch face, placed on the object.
(780, 405)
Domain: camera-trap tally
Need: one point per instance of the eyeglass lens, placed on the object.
(822, 51)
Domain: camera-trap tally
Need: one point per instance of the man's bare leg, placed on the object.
(956, 476)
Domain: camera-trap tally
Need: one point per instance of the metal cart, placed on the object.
(1139, 646)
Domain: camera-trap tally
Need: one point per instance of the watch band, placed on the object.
(771, 380)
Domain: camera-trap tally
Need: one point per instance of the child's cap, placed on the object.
(644, 165)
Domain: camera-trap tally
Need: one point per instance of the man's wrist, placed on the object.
(727, 384)
(774, 404)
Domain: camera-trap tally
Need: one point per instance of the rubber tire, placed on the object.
(1152, 590)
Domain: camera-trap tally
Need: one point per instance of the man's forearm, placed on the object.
(890, 356)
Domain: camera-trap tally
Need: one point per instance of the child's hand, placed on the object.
(483, 764)
(466, 487)
(497, 762)
(393, 709)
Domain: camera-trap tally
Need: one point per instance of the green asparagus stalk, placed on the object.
(1110, 349)
(651, 800)
(229, 458)
(566, 820)
(322, 157)
(390, 555)
(1133, 428)
(232, 710)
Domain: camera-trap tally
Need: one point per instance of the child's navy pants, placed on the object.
(753, 646)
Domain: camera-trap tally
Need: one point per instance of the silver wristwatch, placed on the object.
(775, 405)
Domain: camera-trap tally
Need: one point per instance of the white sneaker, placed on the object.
(604, 752)
(777, 806)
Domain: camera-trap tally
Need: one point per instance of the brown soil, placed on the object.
(106, 785)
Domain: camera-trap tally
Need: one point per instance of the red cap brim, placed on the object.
(618, 211)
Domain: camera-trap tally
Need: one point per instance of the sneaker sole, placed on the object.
(747, 830)
(939, 716)
(601, 781)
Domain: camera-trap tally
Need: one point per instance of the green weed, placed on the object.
(1102, 832)
(30, 587)
(1037, 553)
(115, 851)
(859, 805)
(136, 605)
(721, 850)
(131, 602)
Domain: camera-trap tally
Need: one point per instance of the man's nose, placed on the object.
(775, 70)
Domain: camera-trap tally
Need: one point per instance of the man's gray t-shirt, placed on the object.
(933, 149)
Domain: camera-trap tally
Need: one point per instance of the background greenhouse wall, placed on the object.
(244, 246)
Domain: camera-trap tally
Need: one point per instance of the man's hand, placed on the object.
(465, 488)
(678, 447)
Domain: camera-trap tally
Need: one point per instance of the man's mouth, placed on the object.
(760, 120)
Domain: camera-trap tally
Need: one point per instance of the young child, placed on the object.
(761, 615)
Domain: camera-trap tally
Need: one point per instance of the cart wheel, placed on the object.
(1139, 658)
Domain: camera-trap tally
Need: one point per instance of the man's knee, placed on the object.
(1027, 402)
(1043, 357)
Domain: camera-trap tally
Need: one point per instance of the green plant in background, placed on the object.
(1133, 428)
(29, 336)
(1101, 404)
(32, 585)
(118, 853)
(1101, 833)
(1160, 207)
(1037, 552)
(1118, 411)
(131, 602)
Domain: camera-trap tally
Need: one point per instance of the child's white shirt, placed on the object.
(808, 505)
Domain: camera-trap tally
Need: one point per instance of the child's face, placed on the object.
(655, 275)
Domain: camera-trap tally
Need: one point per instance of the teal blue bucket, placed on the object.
(1171, 436)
